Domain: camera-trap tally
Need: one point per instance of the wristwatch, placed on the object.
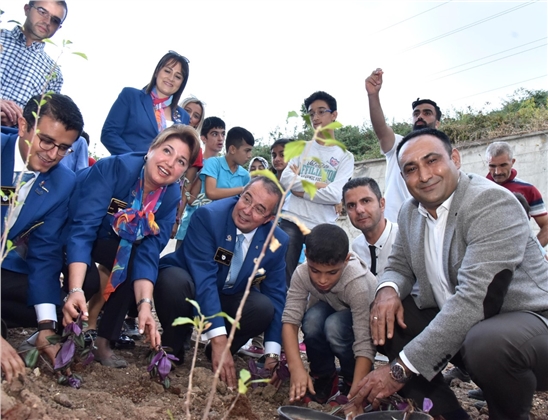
(50, 325)
(398, 372)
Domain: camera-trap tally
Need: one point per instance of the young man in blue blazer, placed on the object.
(31, 290)
(205, 268)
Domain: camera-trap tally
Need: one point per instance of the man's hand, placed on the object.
(271, 364)
(75, 304)
(299, 382)
(373, 83)
(44, 346)
(228, 371)
(386, 308)
(377, 384)
(10, 112)
(12, 364)
(147, 326)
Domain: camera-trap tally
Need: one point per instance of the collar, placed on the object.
(248, 236)
(18, 162)
(384, 237)
(444, 207)
(19, 36)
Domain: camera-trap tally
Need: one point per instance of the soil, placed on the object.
(130, 393)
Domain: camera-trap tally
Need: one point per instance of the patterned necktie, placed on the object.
(237, 261)
(27, 176)
(373, 251)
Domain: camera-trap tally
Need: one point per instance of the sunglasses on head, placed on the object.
(179, 55)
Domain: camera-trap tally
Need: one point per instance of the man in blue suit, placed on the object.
(31, 291)
(221, 236)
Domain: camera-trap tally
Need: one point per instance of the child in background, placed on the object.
(329, 297)
(257, 163)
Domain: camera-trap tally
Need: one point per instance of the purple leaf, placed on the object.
(88, 359)
(283, 371)
(341, 399)
(252, 367)
(172, 357)
(164, 367)
(427, 405)
(74, 382)
(65, 355)
(402, 405)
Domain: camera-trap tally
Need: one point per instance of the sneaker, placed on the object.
(302, 347)
(456, 373)
(251, 351)
(326, 387)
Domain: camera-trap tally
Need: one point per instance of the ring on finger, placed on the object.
(375, 318)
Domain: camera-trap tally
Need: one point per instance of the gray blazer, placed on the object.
(491, 259)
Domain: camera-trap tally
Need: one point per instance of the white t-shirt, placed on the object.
(395, 190)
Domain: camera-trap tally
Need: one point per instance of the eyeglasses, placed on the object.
(319, 112)
(257, 208)
(45, 14)
(47, 145)
(179, 55)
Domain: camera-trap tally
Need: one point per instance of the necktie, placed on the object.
(373, 251)
(237, 261)
(27, 176)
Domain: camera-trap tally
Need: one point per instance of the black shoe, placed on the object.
(131, 329)
(476, 394)
(123, 343)
(344, 386)
(456, 373)
(325, 386)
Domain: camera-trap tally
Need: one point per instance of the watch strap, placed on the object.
(49, 325)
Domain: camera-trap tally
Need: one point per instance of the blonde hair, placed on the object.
(194, 100)
(185, 133)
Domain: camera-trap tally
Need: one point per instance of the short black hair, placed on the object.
(430, 102)
(210, 123)
(321, 96)
(426, 132)
(362, 181)
(58, 107)
(328, 252)
(85, 136)
(280, 142)
(236, 136)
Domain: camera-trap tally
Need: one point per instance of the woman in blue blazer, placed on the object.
(137, 116)
(121, 214)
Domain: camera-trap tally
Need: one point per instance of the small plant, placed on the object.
(260, 374)
(72, 341)
(160, 365)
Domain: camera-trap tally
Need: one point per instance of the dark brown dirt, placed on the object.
(130, 393)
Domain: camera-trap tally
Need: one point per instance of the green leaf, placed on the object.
(245, 375)
(323, 174)
(294, 149)
(67, 42)
(292, 114)
(224, 315)
(330, 142)
(81, 55)
(79, 340)
(62, 379)
(182, 321)
(332, 126)
(195, 304)
(242, 387)
(54, 339)
(307, 120)
(49, 41)
(270, 175)
(167, 383)
(31, 358)
(309, 188)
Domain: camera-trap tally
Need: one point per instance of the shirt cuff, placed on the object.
(45, 312)
(272, 347)
(388, 284)
(407, 363)
(215, 332)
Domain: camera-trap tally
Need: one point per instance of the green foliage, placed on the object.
(261, 149)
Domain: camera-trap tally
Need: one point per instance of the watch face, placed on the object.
(397, 372)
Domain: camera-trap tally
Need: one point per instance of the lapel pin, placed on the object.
(228, 238)
(42, 186)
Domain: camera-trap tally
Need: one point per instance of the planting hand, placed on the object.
(386, 308)
(377, 384)
(74, 306)
(12, 364)
(44, 346)
(228, 371)
(300, 381)
(147, 326)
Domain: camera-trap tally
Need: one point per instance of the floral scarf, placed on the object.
(159, 105)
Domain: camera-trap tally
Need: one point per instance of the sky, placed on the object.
(253, 61)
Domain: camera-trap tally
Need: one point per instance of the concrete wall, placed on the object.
(530, 152)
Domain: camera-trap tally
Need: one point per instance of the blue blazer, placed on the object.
(38, 227)
(131, 124)
(96, 186)
(212, 227)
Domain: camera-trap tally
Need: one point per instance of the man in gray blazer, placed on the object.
(482, 300)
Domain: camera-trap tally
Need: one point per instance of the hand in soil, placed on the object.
(228, 372)
(147, 325)
(44, 346)
(377, 384)
(12, 364)
(75, 305)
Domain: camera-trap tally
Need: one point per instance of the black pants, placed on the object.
(174, 285)
(294, 248)
(506, 355)
(122, 299)
(15, 310)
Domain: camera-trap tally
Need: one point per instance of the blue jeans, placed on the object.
(329, 334)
